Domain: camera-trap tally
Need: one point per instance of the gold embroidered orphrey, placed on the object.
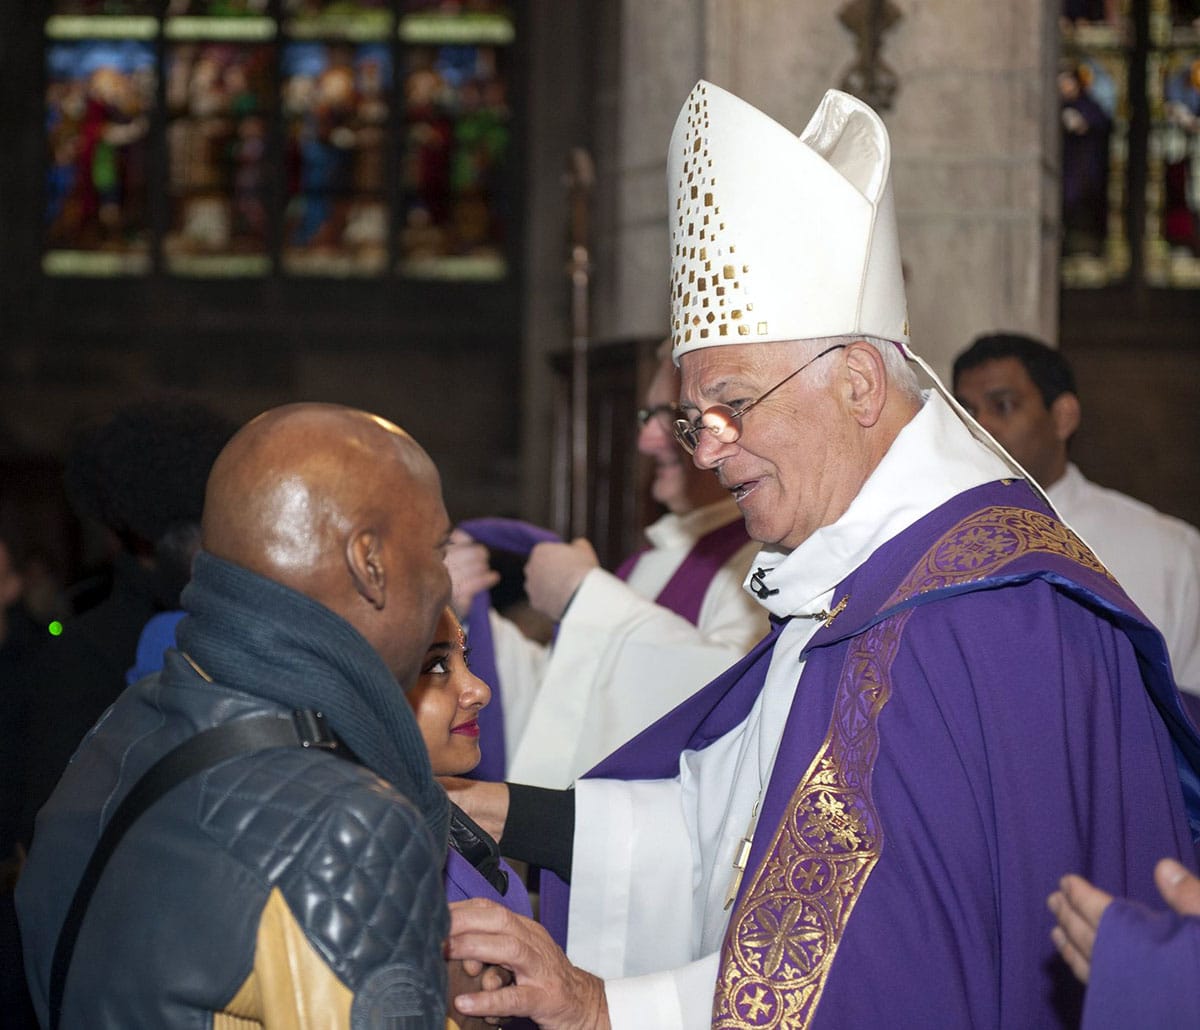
(785, 932)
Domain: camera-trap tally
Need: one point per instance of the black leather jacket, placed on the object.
(291, 888)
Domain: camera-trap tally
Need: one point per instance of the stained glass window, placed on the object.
(1173, 163)
(456, 139)
(336, 105)
(1093, 85)
(218, 102)
(221, 138)
(99, 101)
(1129, 87)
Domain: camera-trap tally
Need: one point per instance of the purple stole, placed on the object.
(463, 881)
(683, 594)
(820, 833)
(520, 538)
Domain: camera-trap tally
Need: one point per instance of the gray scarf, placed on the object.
(257, 636)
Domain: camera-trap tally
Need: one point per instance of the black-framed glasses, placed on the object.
(723, 421)
(644, 415)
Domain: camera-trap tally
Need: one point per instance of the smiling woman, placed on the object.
(447, 699)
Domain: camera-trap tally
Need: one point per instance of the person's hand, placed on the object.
(467, 563)
(547, 989)
(554, 572)
(1179, 888)
(1077, 906)
(483, 801)
(464, 977)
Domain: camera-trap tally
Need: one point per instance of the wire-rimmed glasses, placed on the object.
(724, 422)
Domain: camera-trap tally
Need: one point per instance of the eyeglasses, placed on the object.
(723, 421)
(644, 415)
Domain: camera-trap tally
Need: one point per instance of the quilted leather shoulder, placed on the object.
(351, 856)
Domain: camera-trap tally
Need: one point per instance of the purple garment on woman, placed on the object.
(1145, 971)
(986, 714)
(463, 881)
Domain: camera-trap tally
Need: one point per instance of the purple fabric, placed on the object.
(157, 635)
(684, 592)
(464, 881)
(1023, 738)
(1191, 705)
(520, 538)
(1145, 971)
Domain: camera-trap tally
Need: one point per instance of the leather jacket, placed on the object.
(283, 888)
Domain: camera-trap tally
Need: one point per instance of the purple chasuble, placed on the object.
(520, 538)
(988, 712)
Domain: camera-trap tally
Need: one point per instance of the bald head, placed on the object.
(344, 507)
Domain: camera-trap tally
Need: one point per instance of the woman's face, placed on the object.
(446, 699)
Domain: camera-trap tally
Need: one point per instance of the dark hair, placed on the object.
(1046, 367)
(142, 471)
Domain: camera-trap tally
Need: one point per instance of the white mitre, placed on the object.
(781, 237)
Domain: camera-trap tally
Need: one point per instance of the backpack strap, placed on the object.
(304, 728)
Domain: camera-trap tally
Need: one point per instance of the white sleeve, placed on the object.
(631, 908)
(1182, 628)
(678, 999)
(730, 620)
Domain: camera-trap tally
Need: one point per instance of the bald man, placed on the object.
(298, 882)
